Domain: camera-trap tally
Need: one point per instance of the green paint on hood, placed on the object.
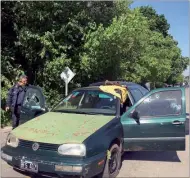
(60, 128)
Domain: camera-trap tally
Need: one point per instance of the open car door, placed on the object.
(33, 104)
(156, 121)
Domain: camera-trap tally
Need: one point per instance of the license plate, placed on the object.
(29, 166)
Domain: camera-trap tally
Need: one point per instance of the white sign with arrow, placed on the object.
(67, 76)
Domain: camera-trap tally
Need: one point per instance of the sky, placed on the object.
(177, 14)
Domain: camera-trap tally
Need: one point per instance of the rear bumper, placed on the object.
(46, 165)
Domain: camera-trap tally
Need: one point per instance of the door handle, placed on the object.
(177, 122)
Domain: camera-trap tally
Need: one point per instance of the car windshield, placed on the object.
(88, 102)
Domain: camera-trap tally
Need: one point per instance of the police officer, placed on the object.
(15, 99)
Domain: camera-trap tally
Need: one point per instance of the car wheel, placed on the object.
(113, 164)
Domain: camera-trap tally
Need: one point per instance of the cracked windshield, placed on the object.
(88, 102)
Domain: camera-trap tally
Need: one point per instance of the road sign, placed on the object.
(67, 76)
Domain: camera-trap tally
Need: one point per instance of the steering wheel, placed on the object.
(106, 107)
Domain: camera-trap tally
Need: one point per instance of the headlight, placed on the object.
(72, 149)
(12, 141)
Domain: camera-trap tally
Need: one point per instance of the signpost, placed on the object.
(67, 76)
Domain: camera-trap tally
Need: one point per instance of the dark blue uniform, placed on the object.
(14, 101)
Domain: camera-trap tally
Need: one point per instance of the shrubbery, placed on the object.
(97, 40)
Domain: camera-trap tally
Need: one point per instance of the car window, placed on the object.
(33, 98)
(88, 101)
(165, 103)
(144, 90)
(137, 95)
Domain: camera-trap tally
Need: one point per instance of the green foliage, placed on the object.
(128, 49)
(98, 40)
(178, 66)
(114, 52)
(41, 38)
(5, 116)
(50, 34)
(187, 80)
(157, 22)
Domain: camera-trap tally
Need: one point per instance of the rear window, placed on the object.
(137, 95)
(144, 91)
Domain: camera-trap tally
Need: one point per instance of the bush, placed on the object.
(5, 118)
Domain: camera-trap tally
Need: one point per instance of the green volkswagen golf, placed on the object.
(87, 132)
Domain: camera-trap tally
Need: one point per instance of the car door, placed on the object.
(156, 121)
(33, 104)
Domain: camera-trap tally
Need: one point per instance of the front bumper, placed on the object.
(46, 164)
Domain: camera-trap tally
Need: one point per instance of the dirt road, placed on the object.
(139, 164)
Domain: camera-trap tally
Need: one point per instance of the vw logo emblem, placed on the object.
(35, 146)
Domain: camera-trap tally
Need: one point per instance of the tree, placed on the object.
(186, 80)
(9, 69)
(128, 49)
(98, 40)
(157, 22)
(178, 66)
(50, 35)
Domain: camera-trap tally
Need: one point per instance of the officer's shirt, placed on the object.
(20, 96)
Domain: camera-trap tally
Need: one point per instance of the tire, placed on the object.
(113, 165)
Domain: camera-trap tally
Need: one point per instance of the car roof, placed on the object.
(95, 87)
(89, 88)
(127, 84)
(131, 87)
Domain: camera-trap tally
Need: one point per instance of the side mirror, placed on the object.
(135, 116)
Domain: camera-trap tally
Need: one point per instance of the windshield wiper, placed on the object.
(81, 112)
(63, 111)
(90, 113)
(93, 113)
(78, 112)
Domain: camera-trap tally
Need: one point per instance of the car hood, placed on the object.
(60, 128)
